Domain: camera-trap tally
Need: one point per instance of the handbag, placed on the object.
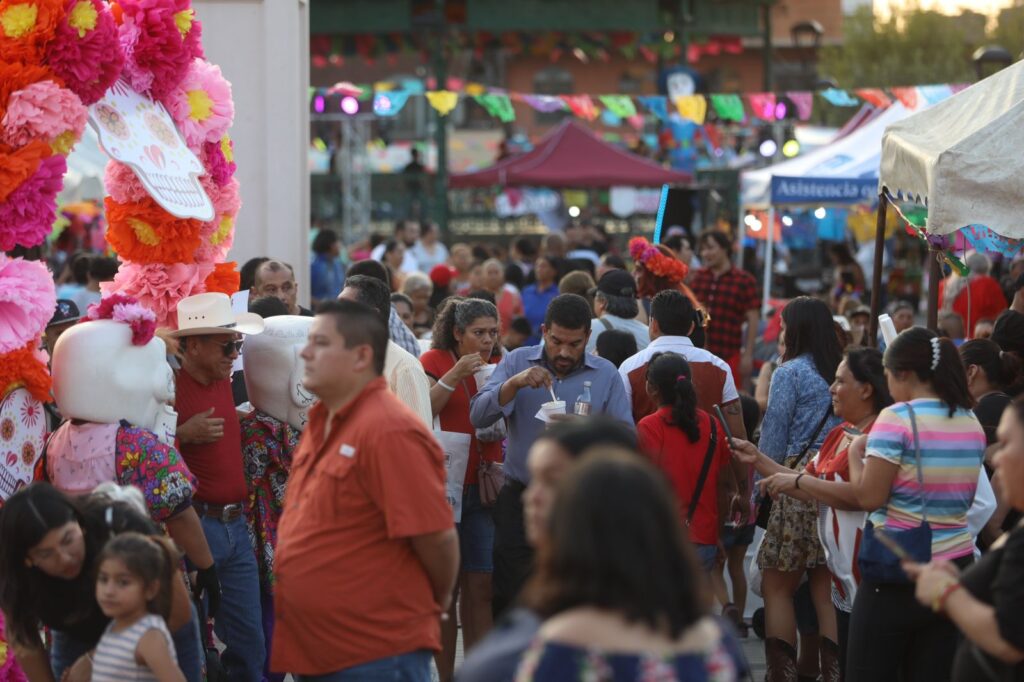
(877, 563)
(764, 507)
(491, 477)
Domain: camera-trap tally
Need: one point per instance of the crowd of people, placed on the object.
(558, 451)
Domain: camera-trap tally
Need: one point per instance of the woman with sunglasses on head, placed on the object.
(50, 546)
(859, 393)
(457, 365)
(916, 473)
(989, 609)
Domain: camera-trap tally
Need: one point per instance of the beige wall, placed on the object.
(262, 46)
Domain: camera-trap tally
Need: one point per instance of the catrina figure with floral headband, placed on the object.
(657, 269)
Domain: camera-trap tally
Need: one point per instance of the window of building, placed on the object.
(552, 80)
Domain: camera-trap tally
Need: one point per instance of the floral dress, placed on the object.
(78, 457)
(267, 448)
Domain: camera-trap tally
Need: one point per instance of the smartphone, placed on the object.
(725, 424)
(891, 544)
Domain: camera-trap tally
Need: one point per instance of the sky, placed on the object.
(989, 7)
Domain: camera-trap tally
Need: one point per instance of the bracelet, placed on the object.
(939, 603)
(450, 389)
(797, 481)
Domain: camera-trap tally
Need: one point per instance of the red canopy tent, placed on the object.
(571, 156)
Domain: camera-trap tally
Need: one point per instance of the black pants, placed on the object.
(843, 631)
(513, 555)
(893, 637)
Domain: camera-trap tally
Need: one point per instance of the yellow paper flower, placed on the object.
(223, 230)
(183, 20)
(226, 149)
(64, 143)
(83, 17)
(17, 20)
(144, 231)
(200, 105)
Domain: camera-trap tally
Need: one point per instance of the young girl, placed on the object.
(133, 588)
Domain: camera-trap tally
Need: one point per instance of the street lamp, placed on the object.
(807, 34)
(990, 54)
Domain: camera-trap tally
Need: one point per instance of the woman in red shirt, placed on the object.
(678, 438)
(464, 340)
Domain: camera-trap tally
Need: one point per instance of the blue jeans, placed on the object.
(411, 667)
(191, 658)
(706, 555)
(238, 623)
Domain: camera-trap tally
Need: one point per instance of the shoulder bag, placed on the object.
(764, 507)
(876, 561)
(704, 469)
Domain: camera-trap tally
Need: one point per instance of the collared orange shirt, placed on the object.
(350, 588)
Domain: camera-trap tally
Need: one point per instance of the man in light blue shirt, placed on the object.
(517, 389)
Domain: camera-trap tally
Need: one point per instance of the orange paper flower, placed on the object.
(23, 367)
(26, 26)
(142, 232)
(18, 165)
(224, 279)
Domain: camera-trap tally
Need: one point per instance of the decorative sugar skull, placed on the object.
(99, 376)
(273, 369)
(22, 432)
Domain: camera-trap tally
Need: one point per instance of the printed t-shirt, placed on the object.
(455, 415)
(218, 465)
(350, 589)
(839, 530)
(951, 453)
(672, 452)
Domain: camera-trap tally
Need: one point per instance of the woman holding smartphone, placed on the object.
(986, 602)
(917, 473)
(859, 393)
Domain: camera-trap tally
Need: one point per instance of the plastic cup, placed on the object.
(483, 374)
(552, 408)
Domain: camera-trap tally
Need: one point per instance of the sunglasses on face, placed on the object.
(230, 347)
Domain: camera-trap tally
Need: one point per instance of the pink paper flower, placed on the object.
(218, 235)
(27, 301)
(201, 104)
(160, 38)
(28, 214)
(85, 51)
(122, 184)
(225, 198)
(159, 287)
(126, 309)
(219, 160)
(43, 111)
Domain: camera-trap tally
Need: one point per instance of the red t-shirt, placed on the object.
(217, 466)
(672, 452)
(455, 415)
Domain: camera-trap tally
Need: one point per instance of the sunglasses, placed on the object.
(230, 347)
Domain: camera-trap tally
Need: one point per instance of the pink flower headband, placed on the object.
(121, 308)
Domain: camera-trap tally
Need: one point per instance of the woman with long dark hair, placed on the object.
(690, 446)
(618, 586)
(457, 365)
(538, 295)
(859, 393)
(799, 416)
(916, 473)
(50, 545)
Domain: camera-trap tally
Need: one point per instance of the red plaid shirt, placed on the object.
(727, 299)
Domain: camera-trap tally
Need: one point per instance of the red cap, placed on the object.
(442, 275)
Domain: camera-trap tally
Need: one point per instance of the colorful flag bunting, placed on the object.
(443, 101)
(620, 105)
(728, 107)
(544, 103)
(498, 106)
(906, 96)
(804, 102)
(581, 105)
(874, 96)
(839, 98)
(656, 104)
(933, 94)
(762, 105)
(692, 108)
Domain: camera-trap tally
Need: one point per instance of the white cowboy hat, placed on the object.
(212, 314)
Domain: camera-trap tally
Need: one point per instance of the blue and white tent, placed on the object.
(844, 172)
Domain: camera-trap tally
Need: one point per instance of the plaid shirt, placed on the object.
(727, 299)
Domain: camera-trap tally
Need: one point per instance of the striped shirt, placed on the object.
(114, 660)
(951, 454)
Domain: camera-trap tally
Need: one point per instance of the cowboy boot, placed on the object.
(781, 659)
(829, 656)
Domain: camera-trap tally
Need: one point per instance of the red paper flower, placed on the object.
(86, 50)
(27, 216)
(160, 38)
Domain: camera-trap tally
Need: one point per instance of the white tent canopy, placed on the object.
(962, 157)
(843, 172)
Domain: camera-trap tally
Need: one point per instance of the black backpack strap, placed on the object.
(704, 469)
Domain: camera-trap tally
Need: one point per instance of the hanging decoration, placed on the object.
(839, 98)
(874, 96)
(581, 106)
(728, 107)
(498, 106)
(657, 105)
(906, 96)
(443, 101)
(620, 105)
(389, 103)
(804, 102)
(762, 104)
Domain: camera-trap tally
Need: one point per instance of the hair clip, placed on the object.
(936, 352)
(682, 377)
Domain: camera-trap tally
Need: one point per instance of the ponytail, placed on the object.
(152, 558)
(1002, 370)
(670, 374)
(935, 361)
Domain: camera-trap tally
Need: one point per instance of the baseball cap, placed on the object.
(65, 313)
(442, 275)
(1008, 332)
(859, 310)
(616, 283)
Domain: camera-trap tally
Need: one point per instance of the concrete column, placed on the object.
(262, 46)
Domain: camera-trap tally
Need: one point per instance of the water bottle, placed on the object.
(582, 407)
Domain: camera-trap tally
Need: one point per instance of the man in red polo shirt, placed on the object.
(367, 554)
(209, 337)
(730, 296)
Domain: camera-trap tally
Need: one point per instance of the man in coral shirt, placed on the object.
(367, 553)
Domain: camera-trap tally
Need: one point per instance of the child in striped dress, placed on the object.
(133, 588)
